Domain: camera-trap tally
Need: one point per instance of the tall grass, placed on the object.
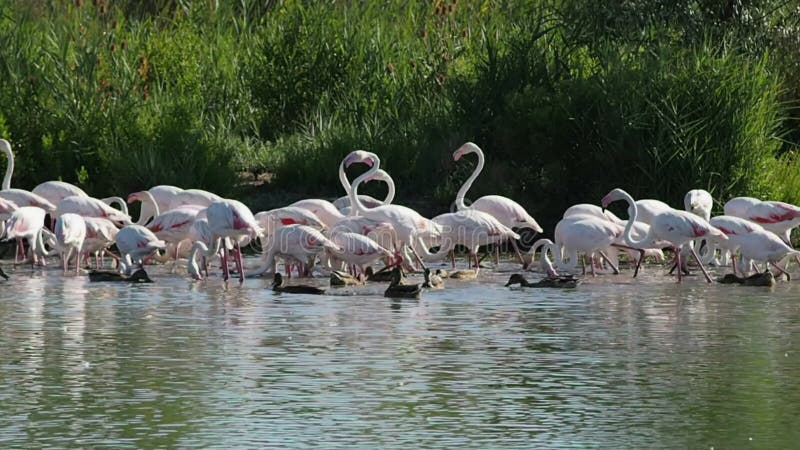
(566, 102)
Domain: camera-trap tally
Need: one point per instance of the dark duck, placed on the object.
(277, 286)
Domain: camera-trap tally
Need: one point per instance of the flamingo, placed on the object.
(587, 234)
(699, 202)
(778, 217)
(192, 197)
(366, 200)
(734, 228)
(470, 228)
(19, 196)
(671, 227)
(135, 243)
(357, 250)
(592, 210)
(70, 231)
(100, 234)
(406, 222)
(380, 175)
(507, 211)
(91, 207)
(328, 214)
(174, 225)
(763, 245)
(738, 206)
(55, 191)
(296, 243)
(288, 215)
(231, 219)
(26, 223)
(544, 263)
(192, 267)
(7, 207)
(159, 199)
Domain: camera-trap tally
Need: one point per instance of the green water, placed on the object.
(616, 363)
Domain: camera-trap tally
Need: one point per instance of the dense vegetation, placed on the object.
(568, 98)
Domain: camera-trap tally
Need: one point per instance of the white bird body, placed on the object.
(583, 233)
(668, 228)
(507, 211)
(26, 198)
(323, 209)
(155, 200)
(699, 202)
(55, 191)
(6, 208)
(192, 197)
(70, 231)
(91, 207)
(778, 217)
(288, 215)
(738, 206)
(357, 250)
(27, 222)
(649, 209)
(135, 243)
(296, 243)
(470, 228)
(231, 219)
(100, 234)
(592, 210)
(173, 226)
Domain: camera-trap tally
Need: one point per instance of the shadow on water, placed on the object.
(615, 363)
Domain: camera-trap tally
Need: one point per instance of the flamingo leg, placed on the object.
(496, 254)
(516, 250)
(678, 263)
(700, 263)
(224, 257)
(613, 267)
(591, 263)
(419, 260)
(781, 271)
(733, 261)
(239, 262)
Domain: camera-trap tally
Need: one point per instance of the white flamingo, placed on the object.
(70, 231)
(669, 228)
(297, 244)
(734, 228)
(55, 191)
(366, 200)
(100, 234)
(232, 219)
(135, 243)
(26, 223)
(159, 199)
(20, 196)
(91, 207)
(407, 223)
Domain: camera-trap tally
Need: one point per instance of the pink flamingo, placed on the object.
(159, 199)
(91, 207)
(55, 191)
(588, 234)
(472, 229)
(100, 234)
(507, 211)
(734, 228)
(288, 215)
(738, 206)
(297, 244)
(135, 243)
(26, 223)
(764, 245)
(672, 227)
(232, 219)
(19, 196)
(70, 231)
(407, 223)
(366, 200)
(174, 225)
(357, 250)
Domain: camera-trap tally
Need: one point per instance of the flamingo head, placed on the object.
(360, 156)
(469, 147)
(136, 197)
(614, 195)
(380, 175)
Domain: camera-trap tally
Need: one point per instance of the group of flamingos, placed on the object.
(357, 231)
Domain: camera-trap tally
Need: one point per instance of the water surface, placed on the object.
(616, 363)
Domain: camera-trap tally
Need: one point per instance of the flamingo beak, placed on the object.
(133, 197)
(457, 155)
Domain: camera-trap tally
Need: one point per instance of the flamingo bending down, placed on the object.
(586, 234)
(357, 250)
(135, 243)
(100, 234)
(545, 265)
(288, 215)
(592, 210)
(232, 219)
(407, 223)
(70, 231)
(763, 245)
(91, 207)
(669, 228)
(55, 191)
(700, 202)
(323, 209)
(734, 228)
(470, 228)
(174, 225)
(27, 223)
(738, 206)
(297, 244)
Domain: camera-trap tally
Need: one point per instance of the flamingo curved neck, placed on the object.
(343, 179)
(9, 167)
(633, 213)
(355, 202)
(462, 193)
(389, 195)
(152, 200)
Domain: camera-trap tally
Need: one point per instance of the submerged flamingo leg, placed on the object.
(781, 271)
(697, 258)
(224, 256)
(678, 263)
(613, 266)
(239, 262)
(516, 249)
